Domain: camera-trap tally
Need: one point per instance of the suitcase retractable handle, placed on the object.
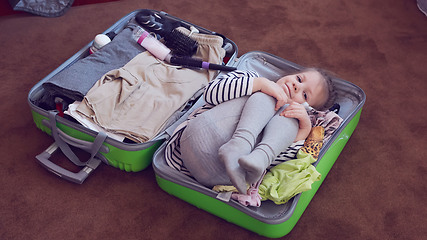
(63, 141)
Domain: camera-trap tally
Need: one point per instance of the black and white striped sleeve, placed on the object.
(232, 85)
(289, 154)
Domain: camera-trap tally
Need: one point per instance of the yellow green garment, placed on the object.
(289, 178)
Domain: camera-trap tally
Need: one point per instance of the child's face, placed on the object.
(307, 86)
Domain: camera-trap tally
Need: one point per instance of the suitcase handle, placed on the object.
(79, 177)
(63, 142)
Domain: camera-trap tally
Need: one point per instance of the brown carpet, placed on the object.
(375, 190)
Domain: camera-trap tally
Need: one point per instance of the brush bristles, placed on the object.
(180, 44)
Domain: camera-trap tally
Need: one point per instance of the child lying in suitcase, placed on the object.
(248, 121)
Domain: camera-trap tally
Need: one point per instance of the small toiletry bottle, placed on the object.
(154, 46)
(100, 41)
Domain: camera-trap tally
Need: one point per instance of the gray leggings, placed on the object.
(253, 116)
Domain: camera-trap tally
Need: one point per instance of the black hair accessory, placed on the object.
(335, 108)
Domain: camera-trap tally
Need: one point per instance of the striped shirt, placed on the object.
(232, 85)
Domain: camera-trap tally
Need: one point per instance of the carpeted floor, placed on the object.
(7, 9)
(375, 190)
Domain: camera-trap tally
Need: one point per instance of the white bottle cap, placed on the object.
(100, 41)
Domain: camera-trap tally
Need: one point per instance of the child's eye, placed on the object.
(299, 79)
(305, 96)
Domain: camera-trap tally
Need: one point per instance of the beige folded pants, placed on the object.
(138, 99)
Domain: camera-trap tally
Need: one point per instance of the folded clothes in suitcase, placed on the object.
(81, 83)
(270, 219)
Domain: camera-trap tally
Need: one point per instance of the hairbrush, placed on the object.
(180, 44)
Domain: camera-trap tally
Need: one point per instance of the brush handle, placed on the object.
(193, 62)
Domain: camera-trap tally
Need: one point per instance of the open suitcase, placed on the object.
(127, 156)
(269, 219)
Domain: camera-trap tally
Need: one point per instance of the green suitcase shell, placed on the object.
(269, 220)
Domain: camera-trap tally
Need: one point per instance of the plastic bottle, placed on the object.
(154, 46)
(99, 41)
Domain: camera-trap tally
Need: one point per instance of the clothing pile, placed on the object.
(126, 91)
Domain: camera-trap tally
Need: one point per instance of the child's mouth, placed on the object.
(288, 90)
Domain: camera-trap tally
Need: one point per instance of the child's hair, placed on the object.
(332, 94)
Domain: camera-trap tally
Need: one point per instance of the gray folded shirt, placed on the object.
(76, 80)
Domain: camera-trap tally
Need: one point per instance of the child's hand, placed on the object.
(271, 88)
(298, 111)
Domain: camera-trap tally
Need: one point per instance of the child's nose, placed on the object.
(295, 86)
